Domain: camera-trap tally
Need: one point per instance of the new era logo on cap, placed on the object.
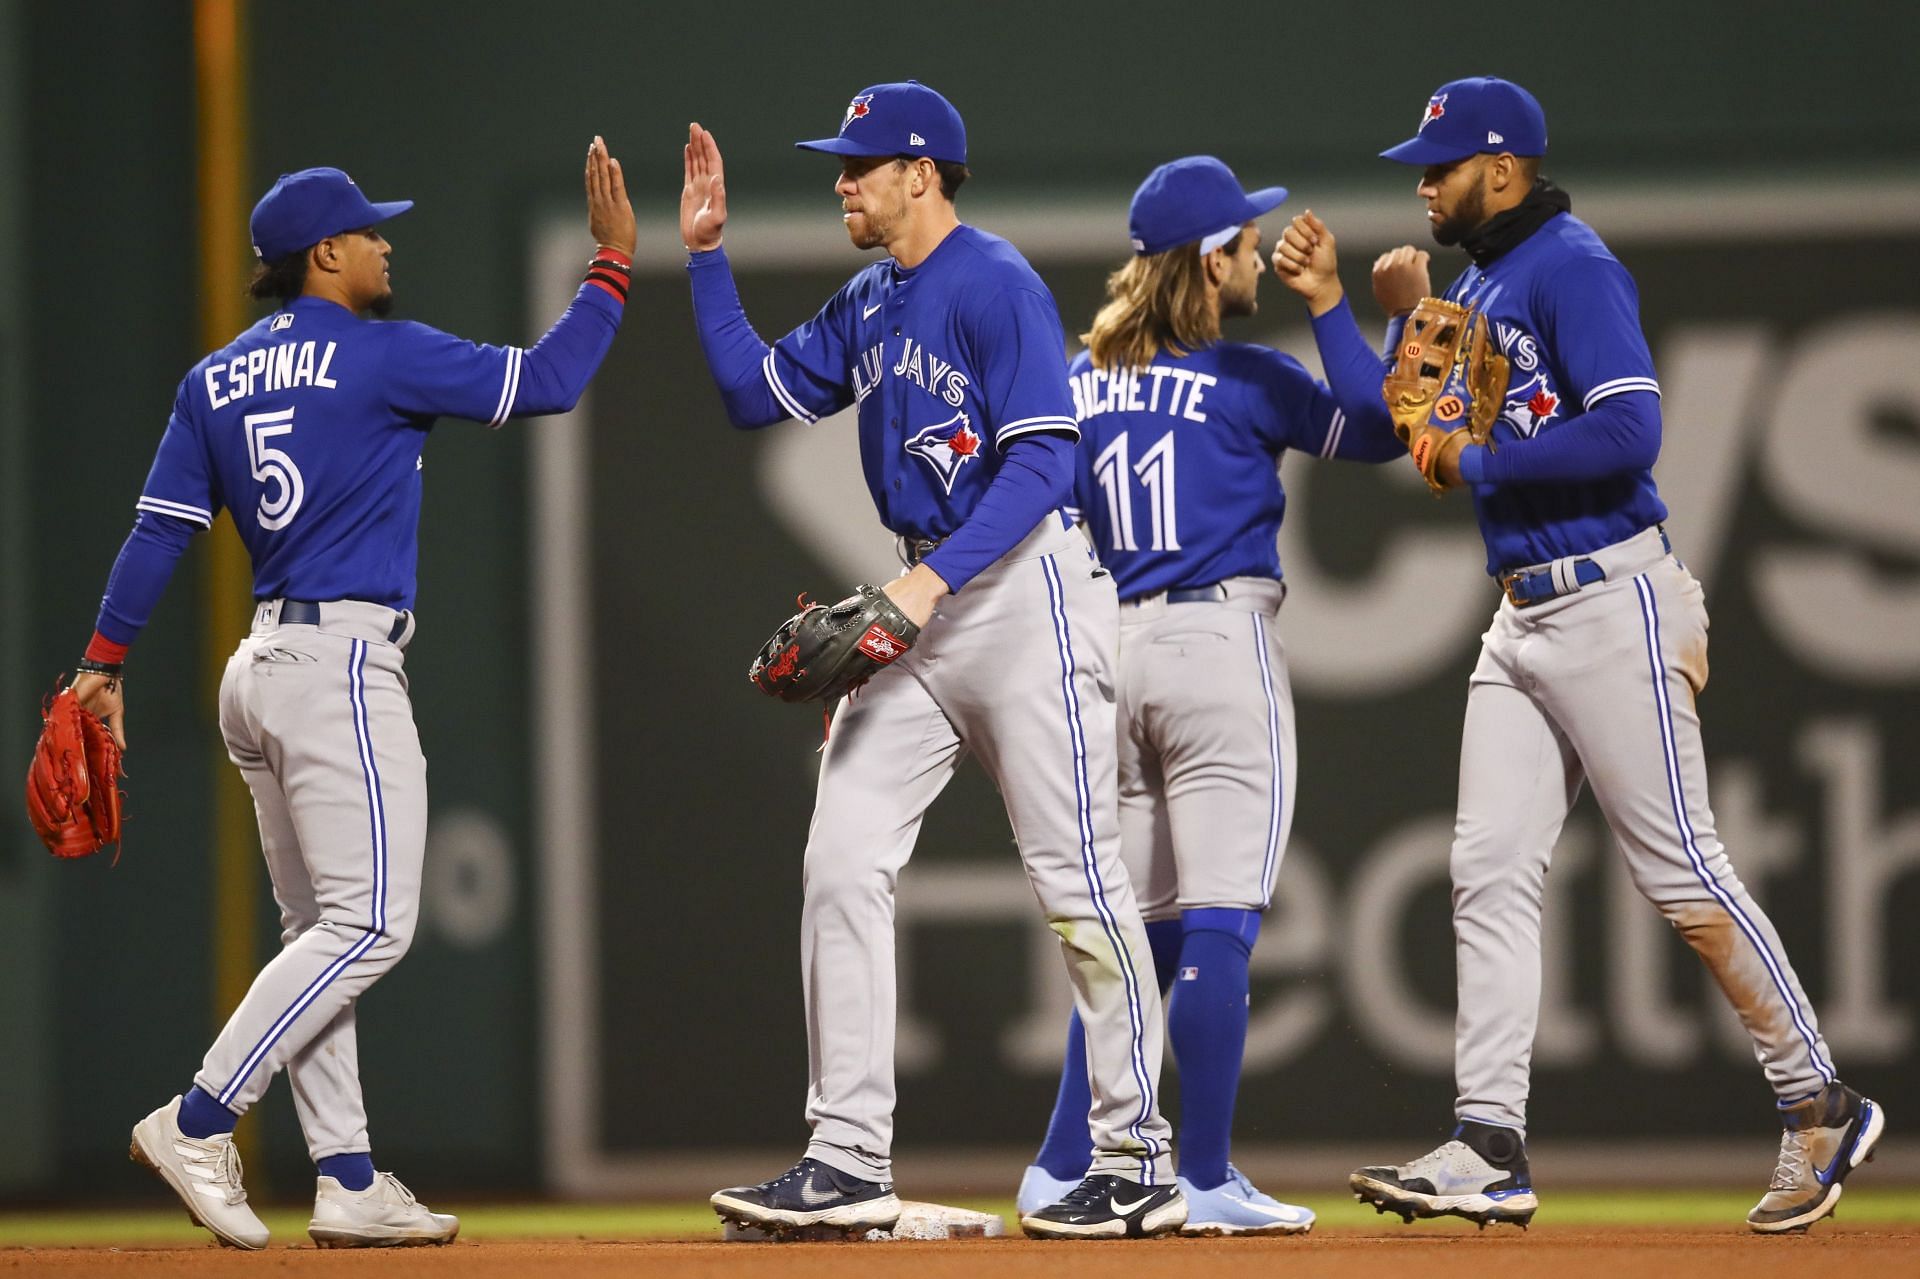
(1494, 138)
(916, 139)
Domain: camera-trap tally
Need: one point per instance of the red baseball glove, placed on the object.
(73, 784)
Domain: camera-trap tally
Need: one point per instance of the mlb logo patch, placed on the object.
(1189, 974)
(284, 320)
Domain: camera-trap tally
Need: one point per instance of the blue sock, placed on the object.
(1207, 1029)
(1068, 1147)
(203, 1117)
(354, 1171)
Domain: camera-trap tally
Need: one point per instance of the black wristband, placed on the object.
(87, 666)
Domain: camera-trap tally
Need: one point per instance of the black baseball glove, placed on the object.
(824, 652)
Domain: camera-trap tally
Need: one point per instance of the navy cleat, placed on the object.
(1481, 1174)
(1105, 1206)
(810, 1194)
(1826, 1137)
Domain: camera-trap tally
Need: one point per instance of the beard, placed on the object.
(1472, 211)
(875, 228)
(382, 306)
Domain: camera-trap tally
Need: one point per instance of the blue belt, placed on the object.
(1526, 587)
(307, 613)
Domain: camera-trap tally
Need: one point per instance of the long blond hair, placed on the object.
(1155, 302)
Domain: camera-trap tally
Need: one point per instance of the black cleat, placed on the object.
(810, 1194)
(1105, 1206)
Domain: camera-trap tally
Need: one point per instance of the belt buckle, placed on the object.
(1512, 580)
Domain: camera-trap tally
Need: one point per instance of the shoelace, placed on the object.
(1087, 1194)
(406, 1196)
(221, 1160)
(1796, 1164)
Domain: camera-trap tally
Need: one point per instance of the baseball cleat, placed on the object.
(1039, 1189)
(1105, 1206)
(1481, 1174)
(384, 1215)
(205, 1173)
(810, 1194)
(1824, 1138)
(1235, 1207)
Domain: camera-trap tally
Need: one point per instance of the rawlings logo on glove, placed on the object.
(1447, 386)
(73, 791)
(824, 651)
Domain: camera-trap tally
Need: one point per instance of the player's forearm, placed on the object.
(139, 577)
(1619, 435)
(1354, 373)
(1035, 479)
(558, 367)
(735, 354)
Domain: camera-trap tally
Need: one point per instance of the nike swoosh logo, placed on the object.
(1127, 1210)
(1279, 1214)
(868, 313)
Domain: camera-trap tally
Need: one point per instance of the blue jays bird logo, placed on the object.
(946, 447)
(855, 109)
(1530, 406)
(1436, 107)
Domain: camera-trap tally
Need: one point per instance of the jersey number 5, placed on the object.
(270, 464)
(1155, 469)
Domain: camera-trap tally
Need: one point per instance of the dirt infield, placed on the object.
(1565, 1253)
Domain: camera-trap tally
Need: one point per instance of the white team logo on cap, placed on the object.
(855, 109)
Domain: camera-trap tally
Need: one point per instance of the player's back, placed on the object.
(1176, 469)
(319, 468)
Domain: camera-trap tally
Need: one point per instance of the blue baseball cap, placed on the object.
(1468, 117)
(305, 208)
(1193, 198)
(906, 118)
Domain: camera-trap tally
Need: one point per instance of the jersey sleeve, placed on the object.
(1020, 361)
(433, 374)
(808, 370)
(181, 481)
(1591, 316)
(1297, 411)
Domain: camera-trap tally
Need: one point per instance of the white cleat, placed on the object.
(204, 1173)
(384, 1215)
(1039, 1188)
(1235, 1207)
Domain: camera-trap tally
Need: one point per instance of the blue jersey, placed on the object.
(309, 428)
(1567, 316)
(1177, 472)
(950, 362)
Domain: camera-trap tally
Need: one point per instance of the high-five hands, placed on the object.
(703, 199)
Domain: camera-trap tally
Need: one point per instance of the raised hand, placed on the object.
(1305, 261)
(1400, 279)
(703, 199)
(609, 212)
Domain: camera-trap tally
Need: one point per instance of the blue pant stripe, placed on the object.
(1143, 1077)
(356, 697)
(1650, 618)
(1276, 800)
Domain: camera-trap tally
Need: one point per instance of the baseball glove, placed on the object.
(826, 651)
(73, 790)
(1447, 385)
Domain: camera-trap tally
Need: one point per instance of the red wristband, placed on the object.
(102, 649)
(612, 255)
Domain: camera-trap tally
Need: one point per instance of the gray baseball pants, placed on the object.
(1018, 670)
(1598, 687)
(318, 721)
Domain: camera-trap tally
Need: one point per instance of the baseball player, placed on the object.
(1177, 481)
(1588, 673)
(951, 347)
(308, 428)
